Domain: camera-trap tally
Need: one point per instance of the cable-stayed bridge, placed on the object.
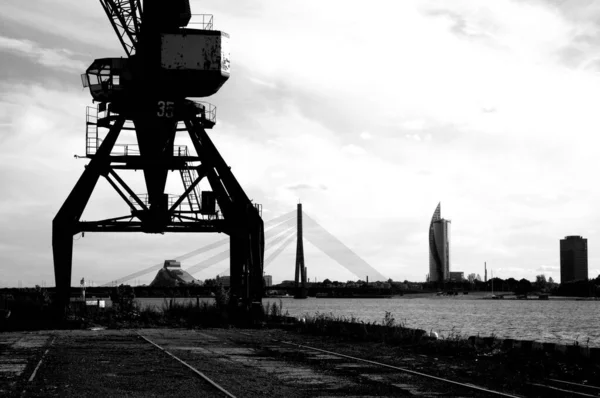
(280, 232)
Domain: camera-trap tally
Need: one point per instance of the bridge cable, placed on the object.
(225, 254)
(290, 232)
(278, 221)
(280, 249)
(337, 251)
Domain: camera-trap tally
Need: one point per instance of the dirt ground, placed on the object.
(247, 363)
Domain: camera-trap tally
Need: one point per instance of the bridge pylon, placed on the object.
(300, 274)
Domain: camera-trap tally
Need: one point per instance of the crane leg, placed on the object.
(64, 225)
(246, 228)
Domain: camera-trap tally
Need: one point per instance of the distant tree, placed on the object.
(511, 284)
(471, 278)
(390, 280)
(540, 282)
(478, 277)
(123, 298)
(210, 283)
(524, 286)
(326, 282)
(550, 280)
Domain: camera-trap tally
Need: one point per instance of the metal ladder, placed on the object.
(188, 176)
(91, 131)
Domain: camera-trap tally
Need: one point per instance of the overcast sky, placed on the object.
(369, 113)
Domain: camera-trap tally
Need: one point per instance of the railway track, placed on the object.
(325, 370)
(459, 388)
(466, 386)
(546, 388)
(562, 388)
(229, 362)
(214, 384)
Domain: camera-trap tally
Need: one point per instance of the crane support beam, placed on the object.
(136, 226)
(246, 228)
(64, 225)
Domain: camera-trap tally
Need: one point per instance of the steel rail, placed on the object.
(562, 390)
(41, 360)
(470, 386)
(193, 369)
(570, 383)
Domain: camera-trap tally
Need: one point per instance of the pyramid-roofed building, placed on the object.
(172, 275)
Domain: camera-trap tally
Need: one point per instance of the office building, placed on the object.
(268, 280)
(573, 259)
(439, 247)
(457, 276)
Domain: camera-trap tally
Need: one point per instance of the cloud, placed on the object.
(490, 110)
(548, 268)
(60, 58)
(414, 125)
(55, 22)
(300, 187)
(352, 149)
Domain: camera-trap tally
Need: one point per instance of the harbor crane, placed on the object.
(149, 93)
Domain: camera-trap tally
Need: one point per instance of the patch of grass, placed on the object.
(390, 332)
(188, 314)
(274, 311)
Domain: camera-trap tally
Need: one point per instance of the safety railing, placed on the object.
(125, 150)
(208, 112)
(146, 200)
(93, 142)
(184, 207)
(201, 21)
(181, 150)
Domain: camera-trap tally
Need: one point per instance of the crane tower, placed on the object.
(148, 93)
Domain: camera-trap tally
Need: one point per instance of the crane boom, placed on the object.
(125, 16)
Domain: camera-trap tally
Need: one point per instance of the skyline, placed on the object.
(489, 110)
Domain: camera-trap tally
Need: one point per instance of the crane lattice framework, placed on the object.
(146, 93)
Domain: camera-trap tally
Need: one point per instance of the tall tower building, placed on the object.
(439, 247)
(573, 259)
(485, 270)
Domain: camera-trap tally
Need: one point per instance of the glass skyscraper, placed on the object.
(439, 247)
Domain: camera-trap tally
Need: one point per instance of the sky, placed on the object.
(370, 114)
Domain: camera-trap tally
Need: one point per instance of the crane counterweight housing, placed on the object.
(191, 63)
(195, 61)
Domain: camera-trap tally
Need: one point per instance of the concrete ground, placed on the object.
(247, 363)
(115, 363)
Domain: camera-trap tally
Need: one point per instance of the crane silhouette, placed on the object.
(147, 92)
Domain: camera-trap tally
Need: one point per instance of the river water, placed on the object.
(557, 321)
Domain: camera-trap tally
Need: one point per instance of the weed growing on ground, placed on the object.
(274, 311)
(388, 320)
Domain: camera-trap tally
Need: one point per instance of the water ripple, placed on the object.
(557, 321)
